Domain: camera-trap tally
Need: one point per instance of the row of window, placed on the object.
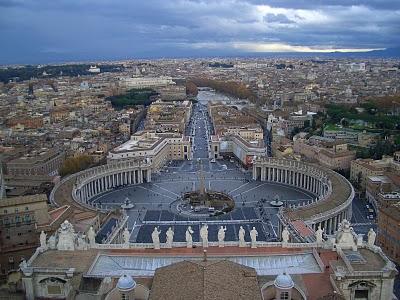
(16, 210)
(17, 219)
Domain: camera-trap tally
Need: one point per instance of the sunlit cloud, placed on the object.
(275, 47)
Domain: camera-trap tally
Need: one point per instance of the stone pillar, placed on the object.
(148, 175)
(328, 226)
(334, 223)
(28, 286)
(263, 171)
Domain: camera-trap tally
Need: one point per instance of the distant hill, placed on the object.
(387, 53)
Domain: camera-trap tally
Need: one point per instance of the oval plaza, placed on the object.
(148, 175)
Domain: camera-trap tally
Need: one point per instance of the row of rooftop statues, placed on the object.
(67, 239)
(155, 236)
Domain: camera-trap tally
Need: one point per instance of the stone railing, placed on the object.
(260, 244)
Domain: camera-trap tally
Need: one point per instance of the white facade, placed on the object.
(146, 82)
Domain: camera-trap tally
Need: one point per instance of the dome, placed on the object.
(126, 283)
(284, 281)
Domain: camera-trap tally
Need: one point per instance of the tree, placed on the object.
(75, 164)
(191, 88)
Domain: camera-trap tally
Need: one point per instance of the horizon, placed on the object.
(362, 55)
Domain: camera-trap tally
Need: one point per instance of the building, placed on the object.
(337, 158)
(21, 219)
(181, 281)
(345, 266)
(170, 117)
(331, 155)
(28, 122)
(361, 169)
(156, 148)
(173, 93)
(389, 224)
(37, 162)
(245, 151)
(145, 82)
(94, 69)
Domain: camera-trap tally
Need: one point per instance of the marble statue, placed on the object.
(91, 236)
(81, 242)
(345, 237)
(66, 237)
(221, 236)
(24, 264)
(371, 237)
(125, 236)
(52, 242)
(285, 235)
(188, 235)
(242, 232)
(155, 236)
(170, 237)
(360, 239)
(204, 235)
(43, 244)
(318, 235)
(253, 237)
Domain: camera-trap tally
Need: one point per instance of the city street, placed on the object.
(360, 221)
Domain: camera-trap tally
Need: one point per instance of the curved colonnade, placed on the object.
(332, 202)
(98, 180)
(333, 193)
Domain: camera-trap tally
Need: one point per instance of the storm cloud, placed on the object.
(48, 30)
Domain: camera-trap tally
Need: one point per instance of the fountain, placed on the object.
(203, 202)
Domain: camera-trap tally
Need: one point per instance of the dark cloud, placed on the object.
(75, 29)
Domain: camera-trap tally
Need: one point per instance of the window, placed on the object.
(53, 289)
(124, 297)
(284, 296)
(361, 294)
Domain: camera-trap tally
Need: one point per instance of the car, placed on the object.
(367, 206)
(370, 210)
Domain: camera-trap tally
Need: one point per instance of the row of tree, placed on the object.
(191, 89)
(231, 88)
(29, 71)
(75, 164)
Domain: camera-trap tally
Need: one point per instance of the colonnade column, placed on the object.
(148, 175)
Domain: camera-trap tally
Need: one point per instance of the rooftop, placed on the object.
(341, 191)
(198, 280)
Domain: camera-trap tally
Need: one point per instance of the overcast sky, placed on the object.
(34, 31)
